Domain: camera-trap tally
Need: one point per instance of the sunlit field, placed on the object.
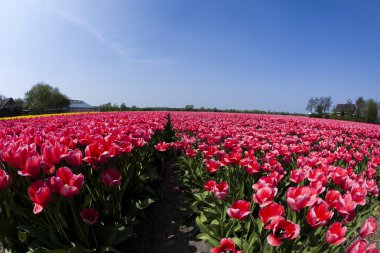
(255, 183)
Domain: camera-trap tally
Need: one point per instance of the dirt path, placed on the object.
(166, 227)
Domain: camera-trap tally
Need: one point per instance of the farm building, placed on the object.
(345, 110)
(81, 106)
(7, 107)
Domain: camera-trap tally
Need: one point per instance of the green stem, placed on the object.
(94, 235)
(57, 224)
(77, 223)
(242, 235)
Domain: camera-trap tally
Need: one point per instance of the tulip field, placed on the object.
(255, 183)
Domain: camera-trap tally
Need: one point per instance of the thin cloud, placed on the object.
(117, 48)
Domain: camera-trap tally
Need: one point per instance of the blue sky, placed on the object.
(269, 54)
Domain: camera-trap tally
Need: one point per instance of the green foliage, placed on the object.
(372, 111)
(189, 107)
(43, 98)
(108, 107)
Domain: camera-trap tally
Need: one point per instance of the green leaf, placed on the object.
(206, 237)
(110, 249)
(8, 230)
(105, 235)
(63, 221)
(40, 234)
(79, 249)
(200, 220)
(58, 251)
(53, 237)
(123, 233)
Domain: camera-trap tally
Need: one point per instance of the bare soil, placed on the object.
(168, 227)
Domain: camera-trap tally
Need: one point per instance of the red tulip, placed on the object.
(358, 194)
(5, 179)
(281, 229)
(371, 187)
(209, 185)
(39, 192)
(361, 246)
(221, 190)
(319, 215)
(346, 206)
(300, 197)
(191, 152)
(95, 154)
(138, 142)
(89, 216)
(226, 246)
(74, 158)
(66, 183)
(111, 177)
(239, 209)
(335, 233)
(339, 176)
(267, 213)
(212, 165)
(264, 196)
(271, 180)
(297, 176)
(251, 166)
(368, 227)
(9, 155)
(318, 185)
(52, 153)
(32, 167)
(162, 146)
(23, 153)
(332, 198)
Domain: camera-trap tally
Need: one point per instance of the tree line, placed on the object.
(364, 110)
(42, 98)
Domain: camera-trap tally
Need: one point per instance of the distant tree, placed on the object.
(326, 103)
(320, 105)
(105, 107)
(189, 107)
(59, 101)
(123, 107)
(2, 96)
(310, 105)
(372, 111)
(42, 97)
(319, 109)
(361, 106)
(38, 98)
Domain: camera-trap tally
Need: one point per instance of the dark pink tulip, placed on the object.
(264, 196)
(39, 192)
(221, 190)
(368, 227)
(361, 246)
(111, 177)
(74, 158)
(300, 197)
(5, 179)
(66, 183)
(89, 216)
(240, 209)
(335, 234)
